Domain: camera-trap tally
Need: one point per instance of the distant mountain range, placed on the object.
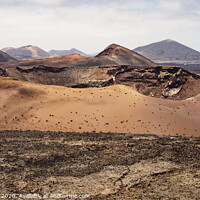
(5, 58)
(33, 52)
(111, 55)
(54, 53)
(168, 50)
(26, 52)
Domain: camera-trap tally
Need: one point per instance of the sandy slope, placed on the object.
(117, 108)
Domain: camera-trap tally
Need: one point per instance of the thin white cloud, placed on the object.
(171, 5)
(91, 25)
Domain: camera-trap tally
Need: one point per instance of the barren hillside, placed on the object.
(168, 50)
(5, 58)
(117, 108)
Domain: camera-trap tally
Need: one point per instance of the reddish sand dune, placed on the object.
(118, 108)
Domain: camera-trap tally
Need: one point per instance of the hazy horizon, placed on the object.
(90, 26)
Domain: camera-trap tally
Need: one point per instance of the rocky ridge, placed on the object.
(114, 65)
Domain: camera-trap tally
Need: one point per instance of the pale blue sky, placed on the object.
(91, 25)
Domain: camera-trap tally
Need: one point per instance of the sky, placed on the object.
(91, 25)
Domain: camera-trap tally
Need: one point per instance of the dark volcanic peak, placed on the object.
(26, 52)
(123, 56)
(108, 50)
(168, 50)
(66, 52)
(4, 58)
